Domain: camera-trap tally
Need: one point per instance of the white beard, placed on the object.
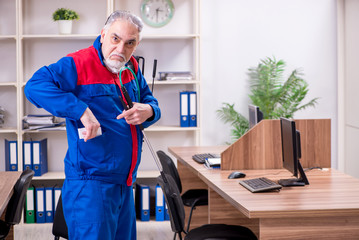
(114, 65)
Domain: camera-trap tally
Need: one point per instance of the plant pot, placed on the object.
(65, 26)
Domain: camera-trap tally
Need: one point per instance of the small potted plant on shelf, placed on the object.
(64, 18)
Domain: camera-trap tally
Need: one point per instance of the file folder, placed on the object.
(30, 206)
(57, 194)
(184, 120)
(49, 209)
(143, 197)
(192, 109)
(160, 208)
(39, 157)
(11, 155)
(167, 215)
(40, 204)
(27, 154)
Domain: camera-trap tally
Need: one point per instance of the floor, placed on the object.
(154, 230)
(151, 230)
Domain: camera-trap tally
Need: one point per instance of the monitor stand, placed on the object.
(291, 182)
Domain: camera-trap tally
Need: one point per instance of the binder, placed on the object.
(184, 120)
(192, 109)
(49, 209)
(11, 155)
(167, 215)
(27, 154)
(57, 194)
(30, 206)
(39, 157)
(160, 209)
(143, 196)
(40, 204)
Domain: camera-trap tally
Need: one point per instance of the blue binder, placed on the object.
(192, 99)
(39, 157)
(27, 154)
(184, 105)
(143, 194)
(160, 208)
(40, 204)
(49, 204)
(167, 215)
(11, 160)
(57, 193)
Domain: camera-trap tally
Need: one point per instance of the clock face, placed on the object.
(157, 13)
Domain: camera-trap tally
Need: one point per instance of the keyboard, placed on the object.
(201, 157)
(260, 185)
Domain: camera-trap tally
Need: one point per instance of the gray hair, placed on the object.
(124, 15)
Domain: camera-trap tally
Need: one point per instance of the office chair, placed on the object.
(192, 197)
(208, 231)
(16, 204)
(59, 226)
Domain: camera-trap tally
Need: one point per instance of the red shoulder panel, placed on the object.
(90, 69)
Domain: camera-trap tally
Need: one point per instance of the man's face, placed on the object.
(118, 44)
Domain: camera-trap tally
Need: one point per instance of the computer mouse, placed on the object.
(236, 174)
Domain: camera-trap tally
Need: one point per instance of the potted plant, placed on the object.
(274, 97)
(64, 17)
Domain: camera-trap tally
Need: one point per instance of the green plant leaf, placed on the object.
(238, 122)
(275, 97)
(64, 14)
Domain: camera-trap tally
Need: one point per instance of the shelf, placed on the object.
(150, 129)
(170, 129)
(61, 175)
(148, 174)
(177, 82)
(65, 36)
(42, 131)
(51, 176)
(92, 36)
(170, 36)
(8, 130)
(8, 84)
(7, 37)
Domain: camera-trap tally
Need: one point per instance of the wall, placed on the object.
(351, 86)
(236, 34)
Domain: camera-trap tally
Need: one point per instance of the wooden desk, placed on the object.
(7, 183)
(328, 208)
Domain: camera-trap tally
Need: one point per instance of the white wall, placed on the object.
(236, 34)
(351, 87)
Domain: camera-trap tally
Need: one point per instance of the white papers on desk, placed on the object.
(212, 162)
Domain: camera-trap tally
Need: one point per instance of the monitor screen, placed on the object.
(291, 153)
(255, 115)
(289, 143)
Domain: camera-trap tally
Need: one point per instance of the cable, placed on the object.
(134, 75)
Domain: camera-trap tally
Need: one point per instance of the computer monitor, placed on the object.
(255, 115)
(291, 152)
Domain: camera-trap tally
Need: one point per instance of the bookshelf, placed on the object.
(29, 40)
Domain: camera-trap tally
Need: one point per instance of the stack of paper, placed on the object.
(175, 76)
(213, 162)
(2, 115)
(43, 122)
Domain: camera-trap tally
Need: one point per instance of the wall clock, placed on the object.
(157, 13)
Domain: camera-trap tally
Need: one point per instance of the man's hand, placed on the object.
(137, 114)
(91, 124)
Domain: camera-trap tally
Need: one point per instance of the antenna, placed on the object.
(154, 73)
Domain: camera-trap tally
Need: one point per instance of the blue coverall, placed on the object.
(97, 192)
